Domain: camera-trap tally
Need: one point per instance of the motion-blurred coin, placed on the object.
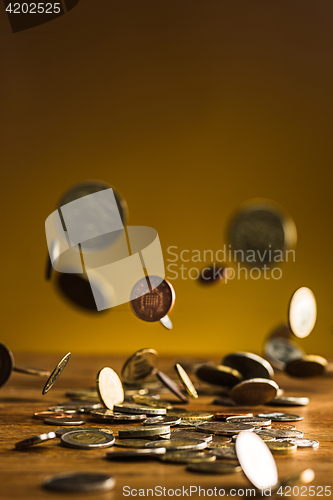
(307, 366)
(183, 434)
(135, 408)
(186, 381)
(80, 482)
(139, 366)
(132, 443)
(219, 375)
(280, 417)
(162, 421)
(42, 415)
(260, 231)
(214, 468)
(302, 312)
(151, 299)
(63, 430)
(7, 366)
(224, 415)
(254, 392)
(56, 373)
(255, 421)
(87, 439)
(187, 457)
(280, 351)
(282, 448)
(256, 460)
(151, 401)
(249, 365)
(179, 444)
(144, 431)
(191, 415)
(166, 322)
(220, 442)
(137, 454)
(214, 273)
(223, 428)
(21, 445)
(64, 421)
(280, 433)
(109, 387)
(300, 443)
(171, 385)
(289, 401)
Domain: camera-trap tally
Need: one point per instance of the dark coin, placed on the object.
(219, 375)
(289, 401)
(139, 366)
(56, 373)
(152, 299)
(80, 482)
(64, 421)
(170, 384)
(214, 468)
(137, 454)
(34, 440)
(254, 391)
(307, 366)
(249, 365)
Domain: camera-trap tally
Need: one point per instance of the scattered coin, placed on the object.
(289, 401)
(103, 415)
(109, 387)
(186, 381)
(282, 448)
(137, 454)
(249, 365)
(223, 428)
(56, 373)
(67, 410)
(151, 401)
(302, 312)
(301, 443)
(166, 322)
(266, 439)
(192, 364)
(254, 391)
(80, 482)
(152, 298)
(87, 439)
(21, 445)
(139, 409)
(219, 375)
(139, 366)
(63, 430)
(220, 442)
(223, 416)
(143, 431)
(133, 443)
(280, 433)
(186, 434)
(64, 421)
(190, 415)
(280, 417)
(214, 468)
(42, 415)
(277, 425)
(179, 444)
(255, 421)
(280, 351)
(171, 385)
(187, 457)
(307, 366)
(162, 421)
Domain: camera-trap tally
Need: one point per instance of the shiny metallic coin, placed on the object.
(21, 445)
(151, 401)
(64, 421)
(308, 366)
(289, 401)
(189, 424)
(166, 322)
(225, 453)
(80, 482)
(87, 439)
(137, 454)
(109, 387)
(266, 439)
(282, 448)
(63, 430)
(214, 468)
(280, 417)
(225, 415)
(187, 457)
(280, 433)
(276, 425)
(249, 365)
(302, 312)
(133, 443)
(220, 442)
(186, 381)
(139, 366)
(117, 418)
(255, 421)
(179, 444)
(139, 409)
(280, 351)
(143, 431)
(162, 421)
(300, 443)
(152, 298)
(254, 392)
(190, 415)
(172, 386)
(67, 410)
(223, 428)
(183, 434)
(219, 375)
(256, 460)
(56, 373)
(42, 415)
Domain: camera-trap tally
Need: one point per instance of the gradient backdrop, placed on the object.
(188, 108)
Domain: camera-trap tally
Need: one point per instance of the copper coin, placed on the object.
(152, 299)
(170, 384)
(42, 415)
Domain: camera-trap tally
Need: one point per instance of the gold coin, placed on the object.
(307, 366)
(150, 401)
(255, 391)
(139, 366)
(186, 381)
(214, 468)
(109, 387)
(191, 415)
(187, 457)
(282, 448)
(56, 373)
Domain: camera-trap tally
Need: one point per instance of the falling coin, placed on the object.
(171, 385)
(56, 373)
(249, 365)
(109, 387)
(255, 391)
(302, 312)
(219, 375)
(152, 298)
(166, 322)
(186, 381)
(139, 366)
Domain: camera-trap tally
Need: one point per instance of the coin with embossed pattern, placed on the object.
(87, 439)
(135, 408)
(152, 298)
(300, 442)
(56, 373)
(280, 417)
(139, 366)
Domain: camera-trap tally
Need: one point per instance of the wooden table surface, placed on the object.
(22, 472)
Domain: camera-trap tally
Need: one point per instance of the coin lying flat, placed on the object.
(67, 410)
(224, 415)
(181, 444)
(280, 433)
(282, 447)
(56, 373)
(186, 381)
(104, 414)
(220, 442)
(183, 434)
(301, 443)
(64, 421)
(302, 312)
(279, 351)
(42, 415)
(63, 430)
(187, 457)
(214, 468)
(139, 366)
(151, 401)
(80, 482)
(139, 409)
(87, 439)
(152, 298)
(280, 417)
(190, 415)
(171, 385)
(133, 443)
(255, 421)
(137, 454)
(144, 431)
(223, 428)
(21, 445)
(219, 375)
(307, 366)
(249, 365)
(109, 387)
(225, 453)
(162, 421)
(254, 391)
(256, 460)
(289, 401)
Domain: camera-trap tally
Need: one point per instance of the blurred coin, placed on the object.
(67, 410)
(191, 364)
(151, 401)
(187, 457)
(266, 438)
(186, 381)
(137, 454)
(223, 428)
(56, 373)
(280, 351)
(255, 421)
(109, 387)
(63, 430)
(64, 421)
(214, 273)
(300, 443)
(225, 453)
(249, 365)
(223, 416)
(214, 468)
(120, 418)
(139, 409)
(166, 322)
(179, 444)
(7, 366)
(307, 366)
(135, 392)
(143, 431)
(276, 425)
(280, 433)
(256, 460)
(281, 331)
(282, 448)
(151, 299)
(302, 312)
(42, 415)
(139, 366)
(304, 477)
(289, 401)
(87, 439)
(21, 445)
(219, 375)
(133, 443)
(183, 434)
(190, 415)
(162, 421)
(280, 417)
(79, 482)
(220, 442)
(254, 392)
(171, 385)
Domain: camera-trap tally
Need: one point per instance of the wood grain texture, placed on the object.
(22, 472)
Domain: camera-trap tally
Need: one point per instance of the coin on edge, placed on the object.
(171, 385)
(186, 381)
(80, 482)
(254, 391)
(307, 366)
(56, 373)
(302, 312)
(249, 365)
(109, 387)
(139, 366)
(21, 445)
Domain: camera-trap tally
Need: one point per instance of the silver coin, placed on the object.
(301, 443)
(87, 439)
(166, 322)
(185, 457)
(56, 373)
(228, 453)
(134, 442)
(80, 482)
(280, 417)
(249, 365)
(116, 417)
(182, 434)
(224, 428)
(255, 421)
(137, 454)
(302, 312)
(159, 420)
(137, 409)
(65, 409)
(143, 431)
(214, 468)
(280, 433)
(65, 421)
(181, 444)
(63, 430)
(26, 443)
(289, 401)
(280, 351)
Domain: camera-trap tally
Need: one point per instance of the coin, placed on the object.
(139, 366)
(191, 364)
(282, 448)
(64, 421)
(300, 443)
(219, 375)
(186, 381)
(223, 428)
(302, 312)
(190, 415)
(187, 457)
(214, 468)
(280, 417)
(256, 460)
(132, 443)
(266, 439)
(87, 439)
(120, 418)
(80, 482)
(151, 401)
(42, 415)
(249, 365)
(184, 434)
(21, 445)
(223, 416)
(283, 426)
(139, 409)
(56, 373)
(307, 366)
(220, 442)
(279, 351)
(67, 410)
(280, 433)
(254, 391)
(228, 453)
(166, 322)
(162, 421)
(138, 432)
(179, 444)
(152, 298)
(109, 387)
(63, 430)
(289, 401)
(255, 421)
(137, 454)
(171, 385)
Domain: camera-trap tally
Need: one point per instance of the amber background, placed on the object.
(188, 108)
